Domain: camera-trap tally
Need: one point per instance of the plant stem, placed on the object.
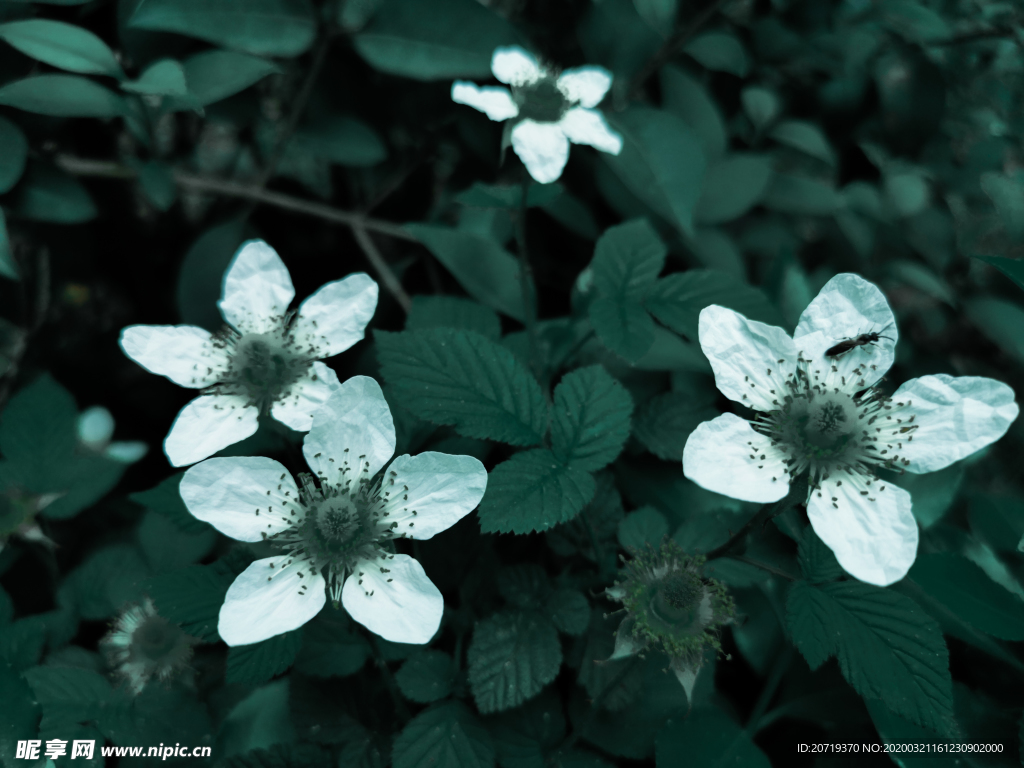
(389, 680)
(797, 493)
(390, 280)
(526, 280)
(770, 687)
(765, 567)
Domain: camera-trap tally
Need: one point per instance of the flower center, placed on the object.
(542, 100)
(677, 598)
(156, 639)
(263, 367)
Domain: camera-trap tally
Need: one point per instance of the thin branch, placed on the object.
(526, 280)
(388, 277)
(765, 567)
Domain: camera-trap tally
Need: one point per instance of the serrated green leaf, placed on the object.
(108, 579)
(259, 662)
(817, 562)
(169, 548)
(19, 712)
(462, 379)
(68, 696)
(524, 585)
(192, 597)
(39, 422)
(533, 491)
(678, 299)
(61, 45)
(623, 326)
(447, 735)
(426, 677)
(62, 96)
(330, 648)
(732, 186)
(452, 312)
(643, 527)
(591, 418)
(888, 648)
(513, 655)
(708, 738)
(663, 423)
(569, 611)
(260, 27)
(12, 159)
(165, 499)
(627, 260)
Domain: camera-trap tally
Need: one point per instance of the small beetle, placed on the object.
(846, 345)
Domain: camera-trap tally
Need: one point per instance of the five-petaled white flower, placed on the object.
(549, 111)
(265, 360)
(822, 414)
(336, 531)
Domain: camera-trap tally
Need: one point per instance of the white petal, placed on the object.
(727, 456)
(405, 610)
(244, 497)
(208, 424)
(126, 452)
(870, 528)
(439, 488)
(268, 599)
(95, 427)
(182, 353)
(750, 359)
(306, 397)
(257, 288)
(955, 416)
(846, 307)
(335, 317)
(352, 432)
(513, 65)
(586, 85)
(542, 147)
(588, 126)
(494, 101)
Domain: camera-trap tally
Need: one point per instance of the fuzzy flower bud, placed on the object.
(143, 645)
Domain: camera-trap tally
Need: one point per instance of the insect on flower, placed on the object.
(846, 345)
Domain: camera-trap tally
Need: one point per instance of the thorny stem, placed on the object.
(526, 279)
(797, 494)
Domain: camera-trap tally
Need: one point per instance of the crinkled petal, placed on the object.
(845, 308)
(257, 289)
(494, 101)
(306, 397)
(588, 126)
(513, 65)
(955, 416)
(727, 456)
(750, 359)
(335, 317)
(431, 492)
(208, 424)
(353, 432)
(869, 526)
(542, 147)
(245, 497)
(406, 609)
(586, 85)
(270, 597)
(183, 353)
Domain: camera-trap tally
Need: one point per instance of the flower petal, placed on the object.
(513, 65)
(727, 456)
(184, 354)
(955, 416)
(268, 599)
(306, 397)
(335, 317)
(586, 85)
(257, 289)
(208, 424)
(127, 451)
(245, 497)
(406, 609)
(95, 427)
(750, 359)
(493, 100)
(588, 126)
(542, 147)
(846, 307)
(431, 492)
(353, 431)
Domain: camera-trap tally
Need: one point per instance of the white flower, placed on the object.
(265, 360)
(549, 110)
(822, 414)
(336, 533)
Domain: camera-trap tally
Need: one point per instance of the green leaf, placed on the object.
(165, 499)
(720, 52)
(68, 696)
(591, 417)
(108, 579)
(342, 140)
(47, 194)
(61, 45)
(461, 379)
(708, 738)
(447, 735)
(39, 423)
(257, 663)
(1000, 321)
(800, 195)
(509, 196)
(19, 712)
(487, 271)
(533, 491)
(413, 38)
(162, 78)
(525, 585)
(569, 611)
(817, 562)
(202, 274)
(661, 162)
(732, 186)
(452, 312)
(677, 300)
(807, 137)
(963, 588)
(888, 647)
(664, 423)
(261, 27)
(192, 597)
(684, 96)
(12, 159)
(934, 493)
(167, 547)
(426, 676)
(1012, 268)
(660, 14)
(8, 269)
(513, 655)
(62, 96)
(761, 105)
(622, 326)
(643, 527)
(330, 648)
(215, 75)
